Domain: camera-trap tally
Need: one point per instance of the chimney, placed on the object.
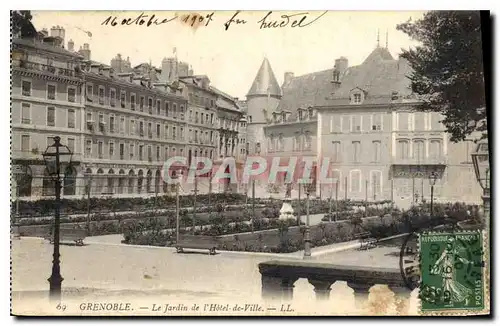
(105, 71)
(45, 32)
(85, 52)
(341, 65)
(71, 46)
(288, 78)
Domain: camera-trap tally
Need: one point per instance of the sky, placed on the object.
(232, 57)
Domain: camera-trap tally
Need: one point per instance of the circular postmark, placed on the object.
(409, 261)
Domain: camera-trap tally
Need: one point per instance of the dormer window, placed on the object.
(311, 114)
(301, 116)
(283, 117)
(357, 96)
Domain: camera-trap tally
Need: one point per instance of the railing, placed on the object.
(50, 69)
(420, 161)
(278, 278)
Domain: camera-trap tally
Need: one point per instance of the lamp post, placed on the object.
(54, 156)
(432, 180)
(481, 162)
(88, 177)
(307, 234)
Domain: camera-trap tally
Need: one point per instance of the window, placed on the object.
(403, 120)
(167, 109)
(131, 150)
(166, 132)
(89, 120)
(212, 118)
(111, 150)
(101, 95)
(196, 117)
(435, 149)
(150, 105)
(25, 143)
(158, 128)
(377, 122)
(88, 148)
(346, 123)
(89, 94)
(201, 118)
(307, 141)
(71, 118)
(26, 88)
(71, 144)
(419, 121)
(122, 125)
(355, 181)
(418, 150)
(196, 136)
(111, 124)
(141, 103)
(51, 116)
(376, 151)
(50, 141)
(403, 149)
(132, 127)
(141, 152)
(469, 148)
(71, 94)
(336, 151)
(335, 124)
(166, 153)
(112, 97)
(122, 99)
(158, 107)
(99, 149)
(150, 130)
(132, 101)
(301, 114)
(435, 121)
(356, 123)
(356, 151)
(122, 151)
(311, 114)
(25, 113)
(51, 92)
(181, 135)
(150, 154)
(356, 98)
(158, 153)
(141, 128)
(376, 183)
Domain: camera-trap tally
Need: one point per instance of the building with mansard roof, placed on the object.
(363, 119)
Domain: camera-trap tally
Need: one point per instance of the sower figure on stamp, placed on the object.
(445, 266)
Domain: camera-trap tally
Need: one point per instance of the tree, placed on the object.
(448, 69)
(21, 22)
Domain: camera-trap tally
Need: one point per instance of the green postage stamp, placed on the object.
(452, 267)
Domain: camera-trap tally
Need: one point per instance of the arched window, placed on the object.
(376, 184)
(121, 181)
(131, 181)
(281, 143)
(100, 181)
(111, 182)
(48, 184)
(296, 141)
(307, 141)
(24, 183)
(140, 176)
(149, 179)
(69, 188)
(158, 181)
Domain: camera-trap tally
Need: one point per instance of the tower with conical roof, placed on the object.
(262, 99)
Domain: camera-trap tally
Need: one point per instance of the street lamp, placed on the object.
(55, 156)
(481, 162)
(88, 186)
(307, 235)
(432, 180)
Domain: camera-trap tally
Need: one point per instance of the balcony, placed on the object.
(63, 72)
(278, 278)
(420, 161)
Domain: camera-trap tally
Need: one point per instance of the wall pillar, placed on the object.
(277, 287)
(322, 288)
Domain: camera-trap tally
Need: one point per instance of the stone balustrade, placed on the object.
(278, 278)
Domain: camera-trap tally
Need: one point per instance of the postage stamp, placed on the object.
(452, 271)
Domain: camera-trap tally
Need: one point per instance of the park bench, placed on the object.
(196, 242)
(68, 234)
(366, 240)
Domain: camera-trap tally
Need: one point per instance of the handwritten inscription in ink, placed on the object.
(297, 20)
(139, 20)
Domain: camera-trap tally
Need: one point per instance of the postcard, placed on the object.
(250, 163)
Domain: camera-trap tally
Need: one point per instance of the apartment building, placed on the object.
(46, 100)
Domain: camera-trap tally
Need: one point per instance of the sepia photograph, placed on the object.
(250, 163)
